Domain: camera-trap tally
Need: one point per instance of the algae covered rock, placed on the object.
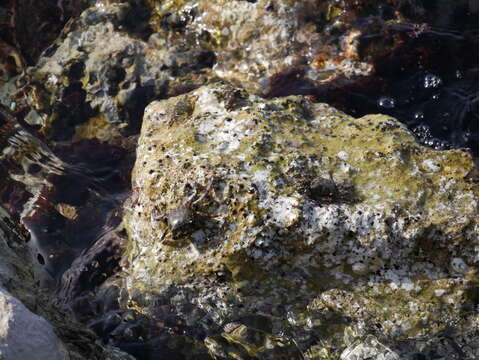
(96, 78)
(254, 40)
(293, 220)
(368, 349)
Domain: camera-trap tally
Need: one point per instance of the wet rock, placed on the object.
(255, 40)
(66, 194)
(420, 75)
(294, 211)
(258, 229)
(286, 47)
(369, 349)
(30, 26)
(96, 78)
(41, 238)
(93, 267)
(402, 58)
(25, 335)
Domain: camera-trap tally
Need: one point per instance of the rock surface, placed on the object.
(103, 69)
(24, 335)
(306, 41)
(370, 348)
(277, 223)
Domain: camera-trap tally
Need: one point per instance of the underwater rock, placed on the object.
(45, 205)
(284, 47)
(311, 220)
(420, 73)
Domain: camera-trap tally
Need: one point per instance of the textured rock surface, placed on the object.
(277, 223)
(370, 348)
(255, 40)
(24, 335)
(292, 47)
(98, 76)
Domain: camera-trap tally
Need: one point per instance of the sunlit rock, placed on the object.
(296, 212)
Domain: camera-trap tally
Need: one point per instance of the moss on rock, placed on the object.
(297, 212)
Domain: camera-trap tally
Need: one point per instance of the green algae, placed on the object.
(252, 167)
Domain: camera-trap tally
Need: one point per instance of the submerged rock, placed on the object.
(32, 324)
(282, 228)
(260, 44)
(269, 229)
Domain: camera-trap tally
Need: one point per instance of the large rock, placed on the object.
(24, 335)
(274, 229)
(97, 77)
(255, 40)
(280, 227)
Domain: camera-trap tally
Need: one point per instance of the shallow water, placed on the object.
(74, 193)
(427, 81)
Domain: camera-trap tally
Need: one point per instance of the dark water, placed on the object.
(74, 208)
(426, 74)
(71, 225)
(430, 83)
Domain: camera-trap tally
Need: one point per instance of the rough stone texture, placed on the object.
(104, 68)
(258, 229)
(24, 335)
(291, 47)
(285, 227)
(370, 348)
(254, 40)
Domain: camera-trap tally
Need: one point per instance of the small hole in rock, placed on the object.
(40, 259)
(34, 169)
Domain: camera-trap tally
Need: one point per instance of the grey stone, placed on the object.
(25, 335)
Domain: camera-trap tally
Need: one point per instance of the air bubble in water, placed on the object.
(418, 116)
(386, 102)
(432, 81)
